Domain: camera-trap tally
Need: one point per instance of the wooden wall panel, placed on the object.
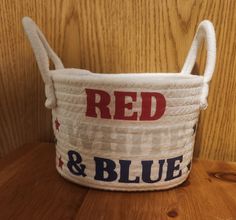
(115, 36)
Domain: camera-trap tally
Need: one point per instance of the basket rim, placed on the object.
(79, 72)
(74, 76)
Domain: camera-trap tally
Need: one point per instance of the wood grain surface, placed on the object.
(30, 188)
(115, 36)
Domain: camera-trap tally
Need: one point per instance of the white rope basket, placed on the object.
(126, 132)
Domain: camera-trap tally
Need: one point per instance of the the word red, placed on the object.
(99, 99)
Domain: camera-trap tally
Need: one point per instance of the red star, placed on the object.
(57, 124)
(60, 162)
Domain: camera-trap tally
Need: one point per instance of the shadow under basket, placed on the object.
(127, 132)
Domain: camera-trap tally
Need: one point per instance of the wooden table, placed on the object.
(30, 188)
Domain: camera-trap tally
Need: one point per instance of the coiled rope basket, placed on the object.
(127, 132)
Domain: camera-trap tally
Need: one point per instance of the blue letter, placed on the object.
(124, 172)
(107, 165)
(146, 175)
(172, 167)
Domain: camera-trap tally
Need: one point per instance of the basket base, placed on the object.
(113, 187)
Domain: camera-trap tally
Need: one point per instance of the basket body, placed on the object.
(118, 154)
(124, 131)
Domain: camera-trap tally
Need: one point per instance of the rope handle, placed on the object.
(205, 31)
(43, 52)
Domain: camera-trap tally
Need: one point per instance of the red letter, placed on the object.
(147, 106)
(120, 105)
(101, 104)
